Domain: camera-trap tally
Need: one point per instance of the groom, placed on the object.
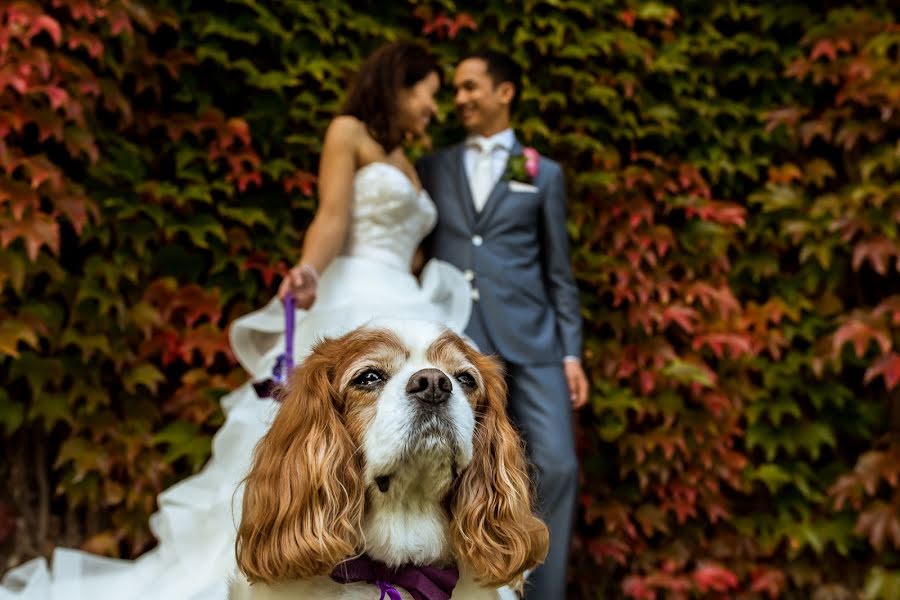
(507, 231)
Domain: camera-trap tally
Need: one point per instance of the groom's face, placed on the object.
(482, 105)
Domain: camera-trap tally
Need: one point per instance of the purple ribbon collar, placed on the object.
(423, 583)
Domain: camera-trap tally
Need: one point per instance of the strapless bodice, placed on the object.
(389, 217)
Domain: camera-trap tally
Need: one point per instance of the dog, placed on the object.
(391, 456)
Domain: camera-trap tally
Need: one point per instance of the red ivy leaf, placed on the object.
(48, 24)
(165, 342)
(260, 262)
(119, 21)
(197, 303)
(435, 25)
(887, 366)
(713, 577)
(767, 580)
(636, 588)
(788, 116)
(889, 306)
(76, 208)
(37, 231)
(462, 21)
(878, 523)
(829, 49)
(444, 26)
(738, 345)
(208, 342)
(877, 251)
(193, 400)
(10, 77)
(810, 130)
(243, 179)
(20, 197)
(609, 547)
(88, 41)
(859, 334)
(58, 96)
(40, 170)
(183, 307)
(301, 180)
(238, 128)
(648, 381)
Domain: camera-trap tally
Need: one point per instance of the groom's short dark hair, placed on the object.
(501, 68)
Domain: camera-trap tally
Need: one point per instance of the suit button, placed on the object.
(469, 274)
(475, 295)
(477, 240)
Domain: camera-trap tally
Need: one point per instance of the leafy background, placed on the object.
(734, 207)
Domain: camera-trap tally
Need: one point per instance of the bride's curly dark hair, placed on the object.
(372, 97)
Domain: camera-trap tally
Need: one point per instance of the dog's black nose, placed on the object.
(430, 386)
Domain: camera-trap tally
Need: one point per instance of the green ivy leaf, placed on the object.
(184, 440)
(12, 414)
(686, 372)
(198, 228)
(146, 375)
(51, 408)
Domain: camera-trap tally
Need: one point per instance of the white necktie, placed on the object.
(483, 176)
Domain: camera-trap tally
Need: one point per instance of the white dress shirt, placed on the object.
(501, 144)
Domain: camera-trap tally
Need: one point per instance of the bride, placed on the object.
(372, 215)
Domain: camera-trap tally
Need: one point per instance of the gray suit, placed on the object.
(526, 310)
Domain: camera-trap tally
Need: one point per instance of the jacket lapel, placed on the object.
(501, 189)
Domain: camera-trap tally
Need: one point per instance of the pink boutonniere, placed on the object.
(523, 168)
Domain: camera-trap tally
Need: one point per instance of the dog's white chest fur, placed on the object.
(406, 524)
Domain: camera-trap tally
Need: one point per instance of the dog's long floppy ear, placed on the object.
(494, 528)
(303, 502)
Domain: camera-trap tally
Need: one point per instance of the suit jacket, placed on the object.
(515, 253)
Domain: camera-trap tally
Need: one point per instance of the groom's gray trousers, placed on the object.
(540, 407)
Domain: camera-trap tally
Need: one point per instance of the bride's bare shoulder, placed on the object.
(347, 134)
(345, 125)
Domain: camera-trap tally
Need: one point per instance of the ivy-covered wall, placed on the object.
(734, 209)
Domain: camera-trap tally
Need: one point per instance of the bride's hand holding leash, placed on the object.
(301, 283)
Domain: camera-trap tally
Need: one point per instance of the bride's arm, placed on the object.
(328, 230)
(326, 234)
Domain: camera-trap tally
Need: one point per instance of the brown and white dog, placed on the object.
(392, 443)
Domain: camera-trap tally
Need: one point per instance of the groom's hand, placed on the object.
(578, 383)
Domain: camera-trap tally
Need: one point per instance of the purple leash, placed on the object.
(284, 364)
(387, 588)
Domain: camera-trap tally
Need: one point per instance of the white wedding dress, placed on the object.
(196, 520)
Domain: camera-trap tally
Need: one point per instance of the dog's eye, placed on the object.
(369, 377)
(466, 380)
